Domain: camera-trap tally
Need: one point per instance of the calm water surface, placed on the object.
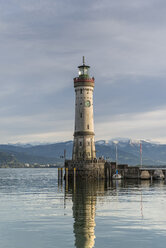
(38, 212)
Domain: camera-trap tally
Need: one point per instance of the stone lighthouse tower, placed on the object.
(84, 146)
(84, 164)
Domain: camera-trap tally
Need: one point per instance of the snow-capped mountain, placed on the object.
(128, 151)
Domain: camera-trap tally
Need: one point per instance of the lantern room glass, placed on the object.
(83, 71)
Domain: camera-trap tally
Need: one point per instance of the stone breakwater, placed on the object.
(100, 169)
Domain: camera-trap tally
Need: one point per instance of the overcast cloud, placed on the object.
(42, 43)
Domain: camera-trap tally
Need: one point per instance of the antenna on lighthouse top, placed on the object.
(83, 66)
(83, 60)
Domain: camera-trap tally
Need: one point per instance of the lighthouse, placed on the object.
(84, 164)
(84, 145)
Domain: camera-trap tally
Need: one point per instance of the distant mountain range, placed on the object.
(128, 152)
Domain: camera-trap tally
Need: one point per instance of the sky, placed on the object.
(42, 43)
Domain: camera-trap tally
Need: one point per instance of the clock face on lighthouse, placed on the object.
(87, 103)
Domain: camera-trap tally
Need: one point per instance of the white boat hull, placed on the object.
(116, 177)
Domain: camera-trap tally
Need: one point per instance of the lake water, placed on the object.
(38, 212)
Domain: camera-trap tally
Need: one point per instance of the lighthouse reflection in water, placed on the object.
(84, 198)
(85, 195)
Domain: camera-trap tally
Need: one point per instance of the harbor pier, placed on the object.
(100, 169)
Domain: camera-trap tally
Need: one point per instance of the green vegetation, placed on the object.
(9, 160)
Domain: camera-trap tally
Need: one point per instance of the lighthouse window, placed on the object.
(88, 143)
(88, 126)
(80, 115)
(80, 143)
(80, 91)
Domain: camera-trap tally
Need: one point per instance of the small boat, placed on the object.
(116, 176)
(158, 175)
(145, 175)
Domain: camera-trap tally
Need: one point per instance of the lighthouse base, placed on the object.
(85, 169)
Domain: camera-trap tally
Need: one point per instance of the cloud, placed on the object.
(42, 43)
(137, 126)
